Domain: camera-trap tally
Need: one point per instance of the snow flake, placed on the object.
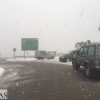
(17, 84)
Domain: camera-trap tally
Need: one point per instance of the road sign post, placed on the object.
(24, 54)
(14, 49)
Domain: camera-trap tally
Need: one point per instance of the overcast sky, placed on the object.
(58, 24)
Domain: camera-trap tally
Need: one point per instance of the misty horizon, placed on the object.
(58, 24)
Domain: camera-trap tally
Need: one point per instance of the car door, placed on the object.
(80, 56)
(83, 57)
(44, 55)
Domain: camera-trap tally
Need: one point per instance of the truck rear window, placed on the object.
(91, 51)
(98, 49)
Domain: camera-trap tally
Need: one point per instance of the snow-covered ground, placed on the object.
(21, 59)
(55, 60)
(1, 71)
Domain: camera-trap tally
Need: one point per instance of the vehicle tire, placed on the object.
(88, 71)
(75, 65)
(38, 58)
(52, 57)
(42, 58)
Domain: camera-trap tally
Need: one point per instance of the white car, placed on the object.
(41, 54)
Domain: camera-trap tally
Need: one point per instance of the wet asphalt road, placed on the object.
(47, 81)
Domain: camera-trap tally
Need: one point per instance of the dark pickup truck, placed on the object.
(88, 57)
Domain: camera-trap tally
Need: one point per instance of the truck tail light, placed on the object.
(96, 63)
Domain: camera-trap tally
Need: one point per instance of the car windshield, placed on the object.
(69, 52)
(38, 39)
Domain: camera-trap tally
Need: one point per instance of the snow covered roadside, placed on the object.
(67, 63)
(22, 59)
(31, 59)
(55, 60)
(1, 71)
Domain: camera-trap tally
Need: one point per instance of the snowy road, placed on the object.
(56, 60)
(47, 80)
(1, 70)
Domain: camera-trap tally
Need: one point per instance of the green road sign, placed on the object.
(29, 44)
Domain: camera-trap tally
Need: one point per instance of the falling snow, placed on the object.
(17, 84)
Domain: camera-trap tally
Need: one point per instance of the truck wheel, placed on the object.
(75, 65)
(88, 71)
